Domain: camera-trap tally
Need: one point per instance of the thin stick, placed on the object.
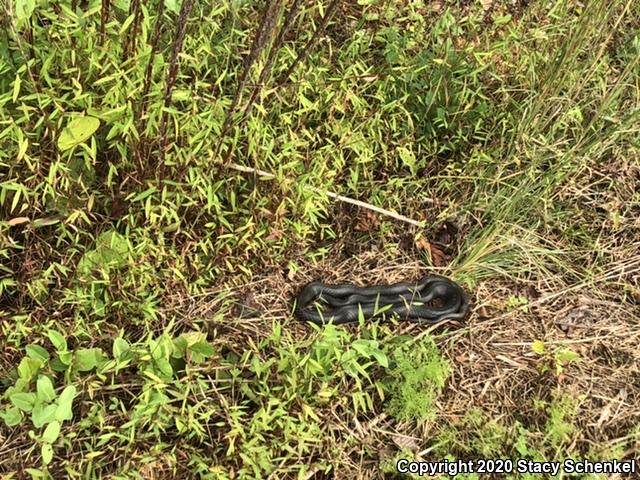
(263, 34)
(154, 49)
(335, 196)
(311, 43)
(172, 73)
(266, 70)
(104, 19)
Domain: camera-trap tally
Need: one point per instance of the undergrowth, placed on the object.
(131, 136)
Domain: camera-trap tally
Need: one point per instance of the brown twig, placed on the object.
(129, 39)
(154, 48)
(311, 43)
(143, 146)
(133, 44)
(265, 29)
(172, 74)
(266, 71)
(104, 19)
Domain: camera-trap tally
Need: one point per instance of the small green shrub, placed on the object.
(416, 377)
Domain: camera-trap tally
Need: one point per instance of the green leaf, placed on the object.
(110, 115)
(44, 386)
(65, 404)
(35, 473)
(43, 414)
(381, 358)
(28, 367)
(58, 340)
(21, 385)
(57, 365)
(164, 348)
(11, 416)
(47, 453)
(364, 347)
(126, 24)
(502, 19)
(193, 337)
(16, 89)
(566, 356)
(52, 432)
(66, 357)
(164, 367)
(203, 348)
(180, 346)
(181, 95)
(87, 359)
(77, 131)
(37, 352)
(24, 401)
(45, 222)
(120, 348)
(538, 347)
(142, 195)
(111, 251)
(173, 5)
(122, 5)
(24, 9)
(199, 351)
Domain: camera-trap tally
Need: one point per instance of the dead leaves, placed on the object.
(366, 221)
(487, 4)
(437, 6)
(438, 257)
(423, 244)
(439, 250)
(274, 234)
(18, 221)
(37, 223)
(406, 442)
(442, 243)
(276, 231)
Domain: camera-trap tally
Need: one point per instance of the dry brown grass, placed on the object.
(494, 367)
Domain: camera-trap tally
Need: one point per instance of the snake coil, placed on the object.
(430, 300)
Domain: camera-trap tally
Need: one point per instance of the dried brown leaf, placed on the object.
(18, 221)
(366, 221)
(438, 257)
(423, 244)
(404, 441)
(274, 234)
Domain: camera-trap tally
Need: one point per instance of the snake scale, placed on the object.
(430, 300)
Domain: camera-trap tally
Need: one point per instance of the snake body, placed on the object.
(429, 300)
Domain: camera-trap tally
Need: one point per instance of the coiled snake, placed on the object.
(430, 300)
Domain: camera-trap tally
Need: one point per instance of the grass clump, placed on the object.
(417, 376)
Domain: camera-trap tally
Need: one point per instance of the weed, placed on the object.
(417, 375)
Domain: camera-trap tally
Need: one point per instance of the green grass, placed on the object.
(417, 378)
(120, 210)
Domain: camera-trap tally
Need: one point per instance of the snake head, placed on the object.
(310, 292)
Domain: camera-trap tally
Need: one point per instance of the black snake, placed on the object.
(429, 300)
